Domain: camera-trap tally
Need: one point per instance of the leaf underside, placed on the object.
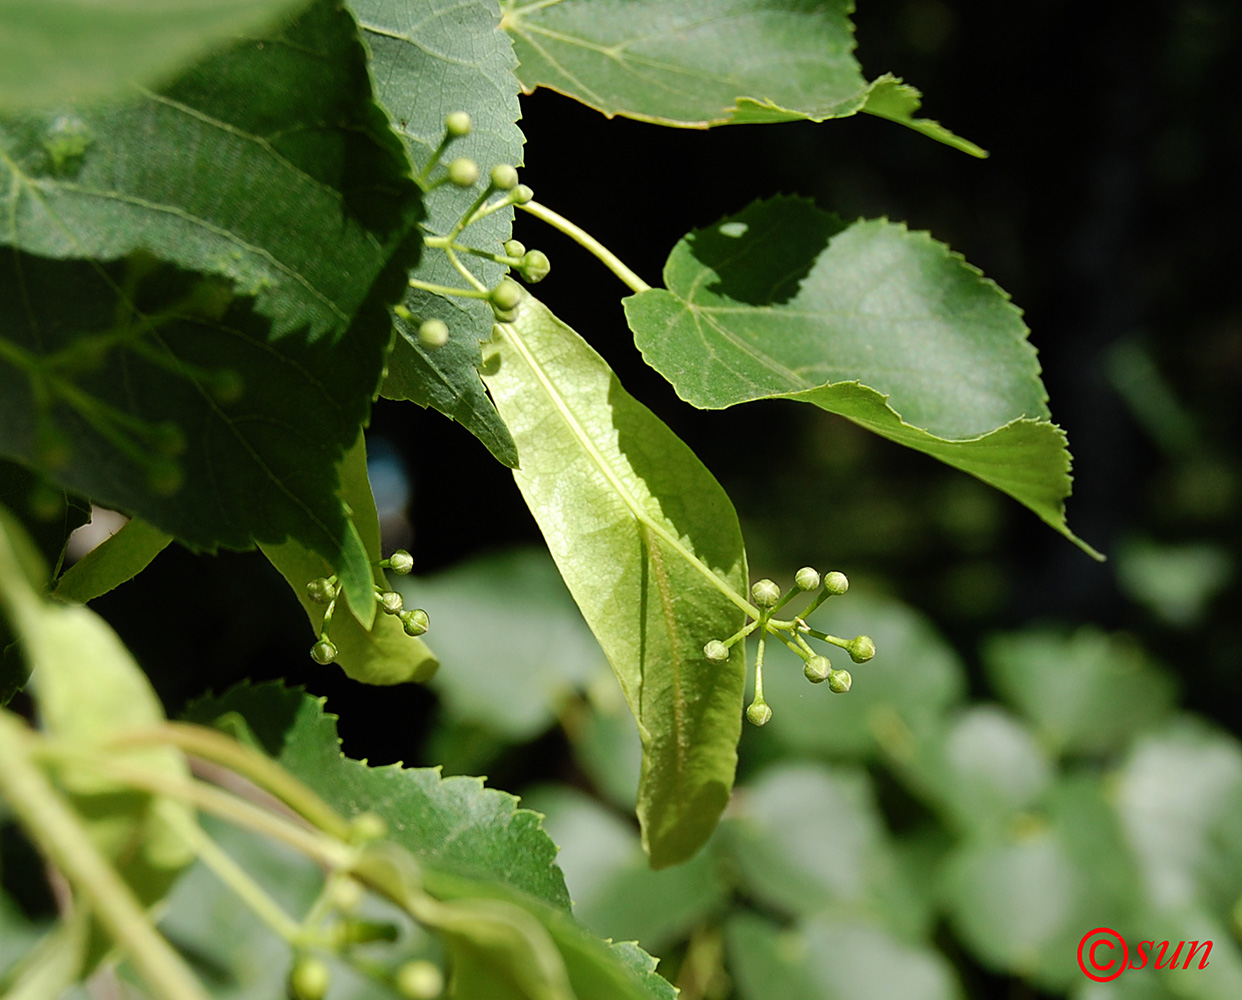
(696, 65)
(649, 546)
(868, 320)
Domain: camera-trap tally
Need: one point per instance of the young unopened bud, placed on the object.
(507, 295)
(535, 266)
(861, 648)
(463, 172)
(716, 651)
(309, 978)
(836, 583)
(367, 827)
(321, 591)
(419, 980)
(165, 477)
(807, 578)
(346, 894)
(514, 248)
(390, 602)
(433, 333)
(766, 593)
(522, 194)
(415, 622)
(504, 177)
(839, 681)
(817, 669)
(167, 439)
(401, 562)
(226, 386)
(758, 714)
(323, 652)
(457, 124)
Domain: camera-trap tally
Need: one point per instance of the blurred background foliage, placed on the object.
(1043, 744)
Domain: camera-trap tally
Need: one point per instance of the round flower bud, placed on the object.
(463, 172)
(415, 622)
(323, 652)
(807, 578)
(817, 669)
(716, 651)
(504, 177)
(419, 980)
(515, 248)
(226, 386)
(366, 827)
(861, 648)
(836, 583)
(309, 978)
(522, 194)
(53, 449)
(433, 333)
(165, 477)
(766, 593)
(321, 591)
(390, 602)
(504, 315)
(507, 295)
(535, 266)
(167, 439)
(346, 894)
(839, 681)
(758, 714)
(401, 562)
(457, 124)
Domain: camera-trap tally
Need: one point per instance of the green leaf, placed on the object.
(116, 560)
(69, 50)
(1087, 691)
(651, 550)
(698, 65)
(868, 320)
(429, 61)
(375, 652)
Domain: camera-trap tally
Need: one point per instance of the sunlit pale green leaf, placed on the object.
(429, 60)
(881, 325)
(707, 62)
(650, 548)
(74, 50)
(112, 562)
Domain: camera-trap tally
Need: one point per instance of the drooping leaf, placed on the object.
(70, 50)
(868, 320)
(112, 562)
(375, 652)
(709, 63)
(429, 60)
(651, 550)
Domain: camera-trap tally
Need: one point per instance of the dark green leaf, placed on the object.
(650, 548)
(868, 320)
(430, 60)
(112, 562)
(58, 50)
(703, 64)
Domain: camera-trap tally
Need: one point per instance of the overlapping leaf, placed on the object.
(868, 320)
(709, 62)
(431, 59)
(650, 548)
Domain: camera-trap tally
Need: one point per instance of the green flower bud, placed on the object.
(53, 449)
(403, 313)
(514, 248)
(390, 602)
(401, 562)
(758, 714)
(419, 980)
(839, 681)
(367, 827)
(522, 194)
(836, 583)
(807, 578)
(323, 652)
(415, 622)
(457, 124)
(817, 669)
(46, 502)
(504, 315)
(463, 172)
(504, 177)
(346, 894)
(716, 651)
(507, 295)
(861, 648)
(433, 333)
(309, 978)
(766, 593)
(535, 266)
(226, 386)
(167, 439)
(321, 591)
(165, 477)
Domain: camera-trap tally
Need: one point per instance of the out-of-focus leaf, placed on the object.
(1086, 691)
(651, 550)
(606, 743)
(702, 64)
(1177, 582)
(868, 320)
(67, 50)
(430, 60)
(113, 562)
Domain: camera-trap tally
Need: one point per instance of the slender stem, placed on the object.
(586, 240)
(759, 671)
(480, 288)
(464, 293)
(58, 831)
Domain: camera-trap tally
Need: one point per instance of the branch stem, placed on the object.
(584, 239)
